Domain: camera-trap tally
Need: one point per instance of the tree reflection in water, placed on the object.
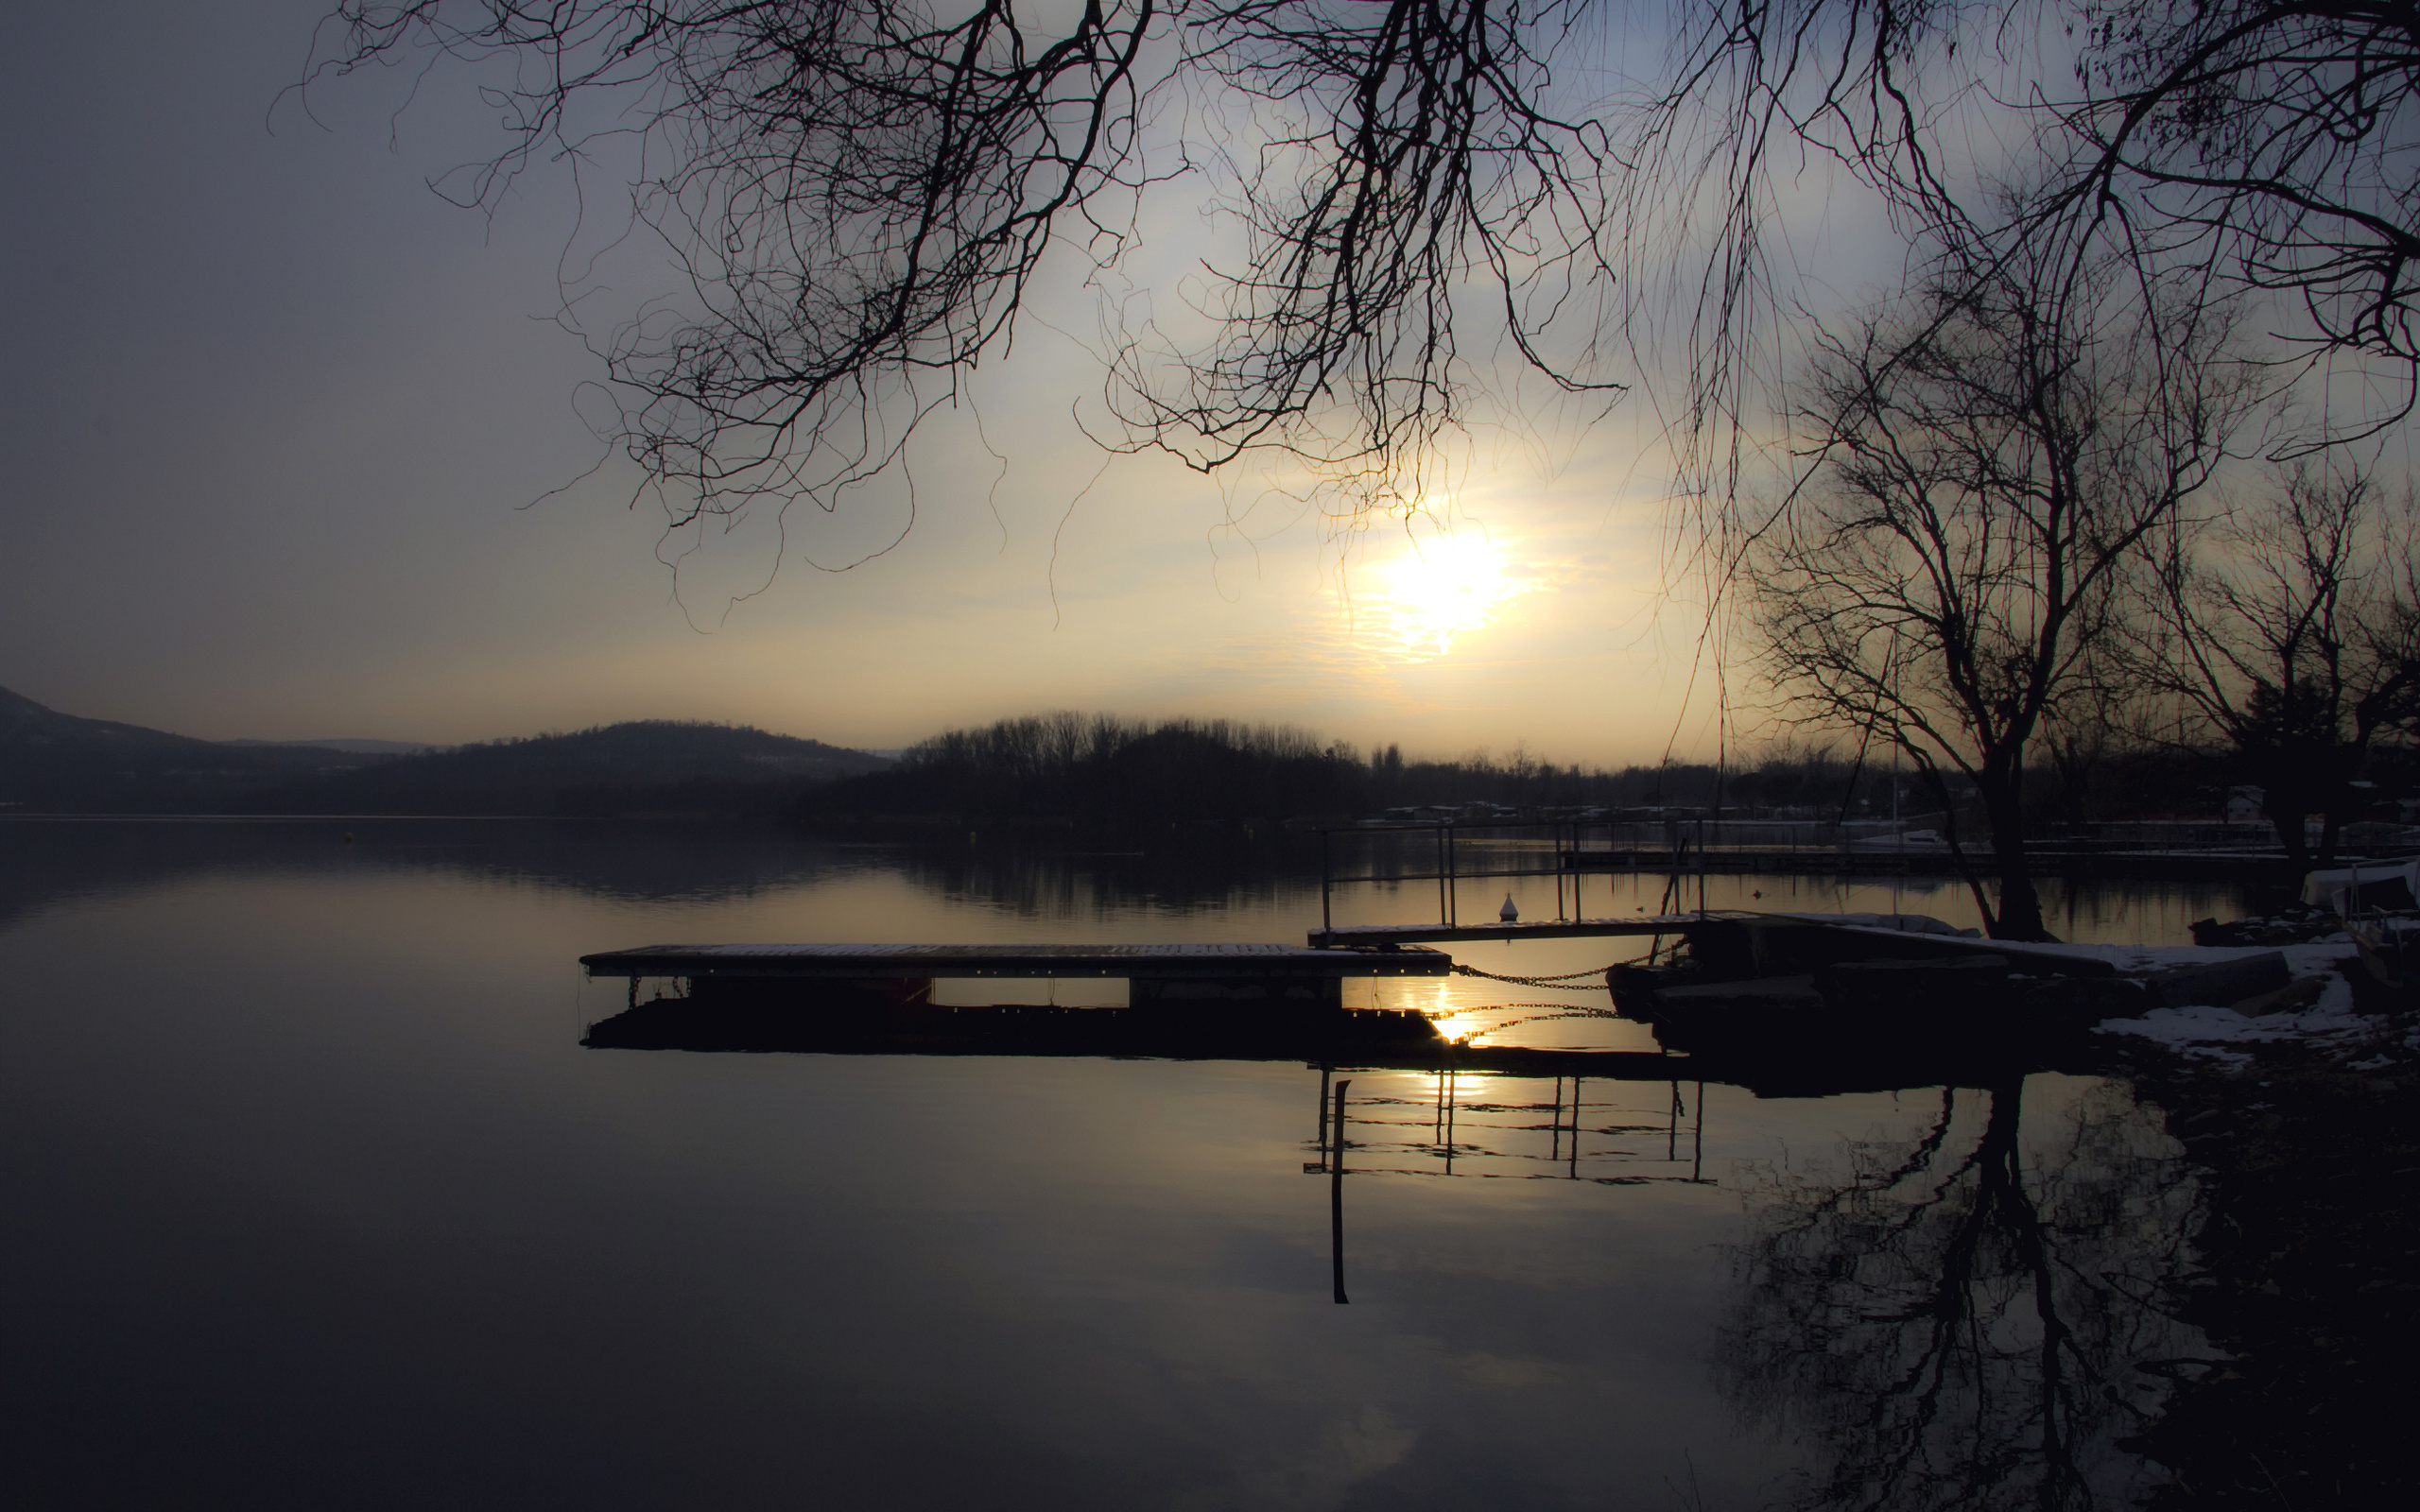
(1964, 1315)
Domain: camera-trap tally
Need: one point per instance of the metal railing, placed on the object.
(1568, 840)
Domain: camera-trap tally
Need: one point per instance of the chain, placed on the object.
(1598, 972)
(1549, 1012)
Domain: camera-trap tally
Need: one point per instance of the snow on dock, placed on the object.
(862, 962)
(846, 975)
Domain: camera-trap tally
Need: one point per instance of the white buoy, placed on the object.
(1508, 913)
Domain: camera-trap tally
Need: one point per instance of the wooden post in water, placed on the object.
(1325, 1071)
(1437, 1110)
(1453, 890)
(1335, 1191)
(1700, 863)
(1575, 1126)
(1697, 1140)
(1449, 1107)
(1578, 830)
(1327, 920)
(1442, 910)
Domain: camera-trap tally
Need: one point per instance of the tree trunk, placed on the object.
(2019, 916)
(2331, 834)
(2020, 913)
(2291, 837)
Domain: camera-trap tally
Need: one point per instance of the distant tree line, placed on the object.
(1108, 769)
(1103, 769)
(1099, 767)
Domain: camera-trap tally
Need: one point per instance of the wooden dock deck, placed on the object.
(932, 962)
(836, 975)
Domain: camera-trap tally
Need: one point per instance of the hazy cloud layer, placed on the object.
(283, 424)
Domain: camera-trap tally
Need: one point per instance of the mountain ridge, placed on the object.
(57, 762)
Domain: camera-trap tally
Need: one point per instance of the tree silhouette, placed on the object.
(860, 197)
(1990, 462)
(1958, 1320)
(2291, 632)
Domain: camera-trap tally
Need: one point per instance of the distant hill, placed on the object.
(653, 766)
(51, 761)
(351, 745)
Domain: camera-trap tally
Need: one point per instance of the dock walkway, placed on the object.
(1169, 974)
(926, 962)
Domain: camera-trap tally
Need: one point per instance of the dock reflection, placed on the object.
(1429, 1106)
(1971, 1305)
(840, 1021)
(1606, 1129)
(846, 1021)
(1488, 1127)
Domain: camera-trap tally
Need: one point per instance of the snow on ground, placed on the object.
(2320, 956)
(2303, 960)
(2215, 1033)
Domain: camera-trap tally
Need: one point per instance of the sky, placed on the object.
(293, 452)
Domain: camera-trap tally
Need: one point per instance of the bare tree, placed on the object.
(2262, 139)
(860, 194)
(2091, 728)
(1990, 459)
(2268, 136)
(2291, 632)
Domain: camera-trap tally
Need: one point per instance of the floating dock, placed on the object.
(1155, 973)
(1214, 1000)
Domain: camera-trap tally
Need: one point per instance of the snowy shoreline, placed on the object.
(2225, 1036)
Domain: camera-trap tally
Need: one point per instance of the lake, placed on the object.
(316, 1200)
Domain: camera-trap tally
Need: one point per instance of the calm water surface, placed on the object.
(315, 1200)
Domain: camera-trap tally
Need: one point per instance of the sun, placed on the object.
(1441, 587)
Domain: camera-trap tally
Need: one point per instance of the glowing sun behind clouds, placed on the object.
(1441, 587)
